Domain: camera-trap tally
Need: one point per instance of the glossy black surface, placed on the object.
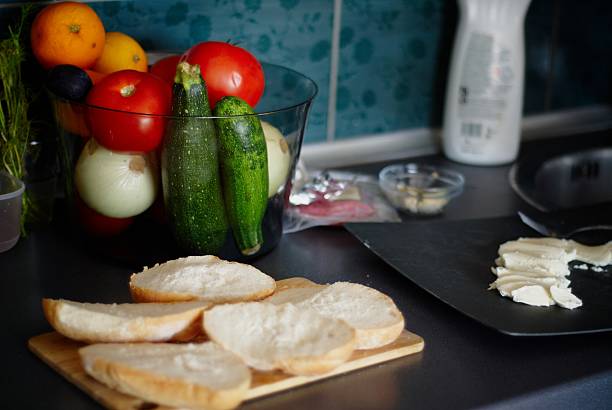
(569, 175)
(464, 364)
(452, 260)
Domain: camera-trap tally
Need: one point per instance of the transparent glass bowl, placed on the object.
(11, 192)
(420, 189)
(285, 104)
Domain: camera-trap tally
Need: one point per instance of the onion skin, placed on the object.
(116, 184)
(279, 158)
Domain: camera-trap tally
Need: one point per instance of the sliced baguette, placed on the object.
(294, 290)
(205, 278)
(128, 322)
(191, 375)
(296, 340)
(295, 282)
(373, 315)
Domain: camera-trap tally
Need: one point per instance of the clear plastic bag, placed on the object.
(335, 197)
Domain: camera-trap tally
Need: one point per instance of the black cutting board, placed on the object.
(452, 260)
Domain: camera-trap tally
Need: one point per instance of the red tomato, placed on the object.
(227, 70)
(129, 91)
(166, 68)
(158, 210)
(97, 224)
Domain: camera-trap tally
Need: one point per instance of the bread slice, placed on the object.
(294, 290)
(128, 322)
(266, 336)
(205, 278)
(373, 315)
(202, 375)
(295, 282)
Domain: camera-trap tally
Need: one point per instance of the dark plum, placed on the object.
(69, 82)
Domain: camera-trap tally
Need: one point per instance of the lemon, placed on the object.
(121, 52)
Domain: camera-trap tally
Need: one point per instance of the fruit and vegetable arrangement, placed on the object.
(183, 129)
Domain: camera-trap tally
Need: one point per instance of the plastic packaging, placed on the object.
(484, 96)
(11, 190)
(335, 197)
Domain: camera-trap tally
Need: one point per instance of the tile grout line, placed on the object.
(333, 71)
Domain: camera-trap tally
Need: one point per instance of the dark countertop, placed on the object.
(464, 365)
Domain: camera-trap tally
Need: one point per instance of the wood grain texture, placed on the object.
(62, 355)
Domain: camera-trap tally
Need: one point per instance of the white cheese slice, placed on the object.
(534, 270)
(555, 242)
(507, 288)
(541, 251)
(530, 263)
(564, 297)
(563, 283)
(533, 295)
(503, 271)
(547, 281)
(595, 255)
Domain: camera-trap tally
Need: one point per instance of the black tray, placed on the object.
(452, 261)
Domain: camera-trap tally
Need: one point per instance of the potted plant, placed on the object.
(15, 131)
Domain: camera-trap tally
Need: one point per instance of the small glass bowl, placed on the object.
(420, 189)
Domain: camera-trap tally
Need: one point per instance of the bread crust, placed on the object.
(299, 365)
(316, 365)
(191, 331)
(142, 294)
(375, 338)
(295, 282)
(144, 329)
(49, 307)
(160, 389)
(366, 338)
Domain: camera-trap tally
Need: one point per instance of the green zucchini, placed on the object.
(244, 171)
(190, 168)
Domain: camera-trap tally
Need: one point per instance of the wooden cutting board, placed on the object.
(62, 355)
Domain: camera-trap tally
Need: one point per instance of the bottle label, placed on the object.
(485, 83)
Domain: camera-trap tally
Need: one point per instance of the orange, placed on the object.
(71, 118)
(121, 52)
(67, 33)
(95, 76)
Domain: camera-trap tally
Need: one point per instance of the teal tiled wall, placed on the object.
(392, 55)
(388, 55)
(293, 33)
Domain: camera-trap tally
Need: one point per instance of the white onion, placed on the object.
(279, 158)
(115, 184)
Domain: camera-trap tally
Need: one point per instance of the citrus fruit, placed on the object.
(95, 76)
(67, 33)
(71, 117)
(121, 52)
